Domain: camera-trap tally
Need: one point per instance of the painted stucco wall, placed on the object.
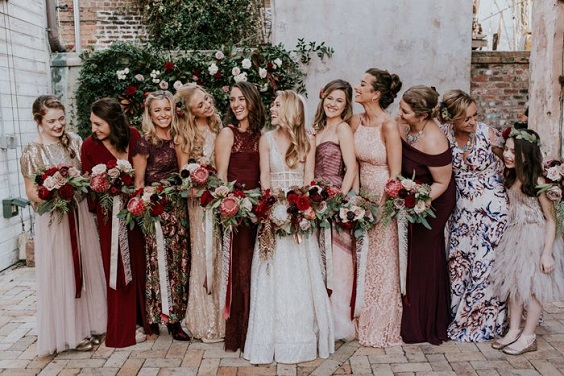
(24, 74)
(424, 42)
(547, 57)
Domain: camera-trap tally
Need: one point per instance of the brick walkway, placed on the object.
(162, 356)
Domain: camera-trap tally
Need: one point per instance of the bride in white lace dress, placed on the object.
(290, 319)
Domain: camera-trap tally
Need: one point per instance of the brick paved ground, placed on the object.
(162, 356)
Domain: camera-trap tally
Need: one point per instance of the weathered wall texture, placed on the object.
(547, 58)
(424, 42)
(500, 84)
(24, 74)
(102, 22)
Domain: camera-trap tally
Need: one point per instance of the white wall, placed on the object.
(24, 74)
(424, 42)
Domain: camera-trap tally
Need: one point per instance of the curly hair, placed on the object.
(291, 116)
(109, 110)
(320, 119)
(387, 84)
(147, 123)
(40, 106)
(257, 111)
(454, 106)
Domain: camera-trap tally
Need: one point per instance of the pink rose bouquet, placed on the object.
(553, 174)
(111, 179)
(357, 214)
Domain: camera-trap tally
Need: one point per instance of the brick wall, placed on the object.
(500, 84)
(102, 22)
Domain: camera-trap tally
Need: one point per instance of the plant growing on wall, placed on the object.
(202, 24)
(128, 72)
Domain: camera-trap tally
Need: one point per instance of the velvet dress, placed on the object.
(243, 168)
(426, 303)
(126, 304)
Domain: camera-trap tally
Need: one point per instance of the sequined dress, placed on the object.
(329, 166)
(204, 318)
(63, 320)
(290, 319)
(161, 164)
(379, 322)
(476, 226)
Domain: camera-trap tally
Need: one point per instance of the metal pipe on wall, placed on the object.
(76, 14)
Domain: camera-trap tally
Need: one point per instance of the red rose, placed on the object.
(50, 172)
(292, 198)
(157, 209)
(44, 193)
(64, 171)
(66, 192)
(239, 194)
(218, 75)
(505, 133)
(169, 66)
(302, 203)
(165, 201)
(206, 198)
(269, 66)
(111, 164)
(345, 225)
(114, 191)
(130, 90)
(410, 201)
(127, 180)
(196, 72)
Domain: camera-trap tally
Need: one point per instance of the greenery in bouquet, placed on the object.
(111, 179)
(326, 200)
(357, 214)
(128, 72)
(195, 178)
(147, 205)
(231, 203)
(58, 187)
(553, 174)
(407, 196)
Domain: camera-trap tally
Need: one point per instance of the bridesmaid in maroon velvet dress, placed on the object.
(335, 163)
(113, 139)
(237, 159)
(426, 152)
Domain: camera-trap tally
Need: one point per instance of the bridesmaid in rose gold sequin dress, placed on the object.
(378, 151)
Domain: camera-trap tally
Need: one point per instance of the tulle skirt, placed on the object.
(63, 321)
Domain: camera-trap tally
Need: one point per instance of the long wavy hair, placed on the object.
(184, 129)
(147, 123)
(291, 116)
(109, 110)
(320, 120)
(257, 112)
(528, 165)
(40, 106)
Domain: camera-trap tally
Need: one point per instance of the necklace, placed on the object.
(413, 138)
(468, 145)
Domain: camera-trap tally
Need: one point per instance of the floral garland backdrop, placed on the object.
(129, 71)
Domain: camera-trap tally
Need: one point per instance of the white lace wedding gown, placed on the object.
(290, 319)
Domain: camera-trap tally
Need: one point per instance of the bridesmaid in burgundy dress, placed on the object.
(237, 158)
(335, 162)
(113, 139)
(426, 152)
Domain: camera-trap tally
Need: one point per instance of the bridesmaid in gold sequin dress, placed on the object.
(378, 151)
(335, 162)
(195, 132)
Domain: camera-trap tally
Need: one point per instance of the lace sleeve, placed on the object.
(142, 147)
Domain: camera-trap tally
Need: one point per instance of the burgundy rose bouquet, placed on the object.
(146, 206)
(58, 187)
(198, 177)
(326, 200)
(357, 214)
(553, 174)
(112, 179)
(410, 197)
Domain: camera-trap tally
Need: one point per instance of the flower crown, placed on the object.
(522, 134)
(443, 110)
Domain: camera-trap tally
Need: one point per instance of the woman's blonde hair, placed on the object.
(291, 116)
(147, 123)
(454, 105)
(184, 128)
(320, 120)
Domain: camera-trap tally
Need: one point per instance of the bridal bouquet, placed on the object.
(409, 197)
(146, 206)
(357, 214)
(198, 177)
(326, 200)
(57, 187)
(112, 179)
(553, 174)
(231, 203)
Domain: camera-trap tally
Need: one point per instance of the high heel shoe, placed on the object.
(155, 328)
(177, 333)
(528, 345)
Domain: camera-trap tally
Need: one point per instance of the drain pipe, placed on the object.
(53, 28)
(76, 14)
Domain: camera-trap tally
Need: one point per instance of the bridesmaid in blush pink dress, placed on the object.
(378, 151)
(335, 162)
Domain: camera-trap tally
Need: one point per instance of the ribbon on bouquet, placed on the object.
(74, 226)
(226, 284)
(326, 249)
(162, 269)
(119, 242)
(362, 244)
(208, 249)
(402, 238)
